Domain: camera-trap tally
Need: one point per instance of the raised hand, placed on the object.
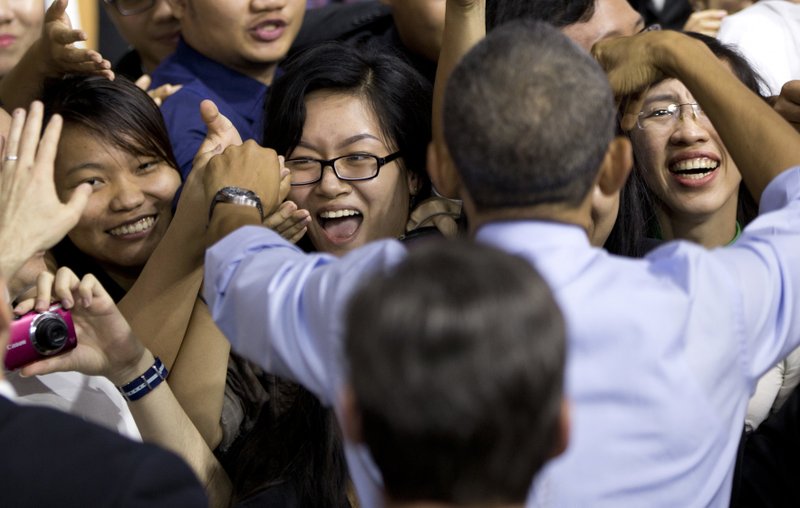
(32, 218)
(57, 51)
(787, 104)
(160, 94)
(706, 21)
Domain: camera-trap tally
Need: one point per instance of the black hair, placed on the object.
(456, 361)
(117, 111)
(398, 95)
(559, 13)
(528, 118)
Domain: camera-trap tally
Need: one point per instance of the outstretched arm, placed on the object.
(464, 27)
(108, 347)
(53, 54)
(761, 142)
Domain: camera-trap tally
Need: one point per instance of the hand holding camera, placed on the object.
(105, 345)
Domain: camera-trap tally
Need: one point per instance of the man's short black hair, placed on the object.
(559, 13)
(456, 362)
(528, 118)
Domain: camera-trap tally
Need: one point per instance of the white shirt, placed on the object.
(768, 35)
(92, 398)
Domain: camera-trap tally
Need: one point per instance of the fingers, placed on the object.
(163, 92)
(144, 82)
(48, 146)
(61, 363)
(630, 107)
(56, 10)
(29, 141)
(44, 288)
(65, 283)
(64, 36)
(15, 134)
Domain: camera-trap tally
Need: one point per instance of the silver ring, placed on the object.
(10, 158)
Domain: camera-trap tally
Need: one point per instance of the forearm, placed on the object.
(759, 140)
(465, 26)
(162, 420)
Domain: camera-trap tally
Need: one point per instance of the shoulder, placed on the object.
(95, 466)
(341, 22)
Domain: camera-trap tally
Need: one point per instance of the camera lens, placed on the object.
(51, 334)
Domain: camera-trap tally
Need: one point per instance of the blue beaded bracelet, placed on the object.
(145, 383)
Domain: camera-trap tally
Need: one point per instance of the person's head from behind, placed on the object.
(686, 168)
(149, 26)
(368, 113)
(114, 138)
(20, 25)
(529, 123)
(248, 36)
(456, 363)
(584, 21)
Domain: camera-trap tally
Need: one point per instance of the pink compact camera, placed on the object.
(38, 335)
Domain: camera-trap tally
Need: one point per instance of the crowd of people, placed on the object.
(400, 253)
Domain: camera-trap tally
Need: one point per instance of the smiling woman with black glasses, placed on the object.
(354, 128)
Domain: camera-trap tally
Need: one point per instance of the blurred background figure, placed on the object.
(768, 35)
(151, 30)
(703, 16)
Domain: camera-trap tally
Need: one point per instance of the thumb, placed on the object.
(219, 127)
(56, 11)
(144, 82)
(78, 200)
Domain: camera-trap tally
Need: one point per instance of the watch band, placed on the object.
(236, 196)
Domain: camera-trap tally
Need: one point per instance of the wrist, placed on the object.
(227, 218)
(132, 369)
(675, 51)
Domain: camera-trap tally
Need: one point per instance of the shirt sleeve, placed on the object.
(765, 265)
(284, 309)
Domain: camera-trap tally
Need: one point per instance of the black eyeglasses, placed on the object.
(130, 7)
(351, 168)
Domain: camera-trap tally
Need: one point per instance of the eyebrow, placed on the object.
(85, 165)
(662, 97)
(638, 26)
(347, 142)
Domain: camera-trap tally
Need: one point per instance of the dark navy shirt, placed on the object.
(238, 97)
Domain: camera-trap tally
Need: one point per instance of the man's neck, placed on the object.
(431, 504)
(578, 216)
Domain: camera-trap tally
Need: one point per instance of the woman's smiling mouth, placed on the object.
(134, 228)
(340, 225)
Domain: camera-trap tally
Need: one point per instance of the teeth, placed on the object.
(137, 227)
(692, 164)
(270, 27)
(695, 176)
(338, 214)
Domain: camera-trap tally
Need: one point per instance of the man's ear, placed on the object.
(562, 430)
(351, 416)
(616, 166)
(442, 171)
(178, 8)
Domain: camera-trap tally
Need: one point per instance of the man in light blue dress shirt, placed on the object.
(663, 352)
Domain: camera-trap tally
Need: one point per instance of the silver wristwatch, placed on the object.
(237, 196)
